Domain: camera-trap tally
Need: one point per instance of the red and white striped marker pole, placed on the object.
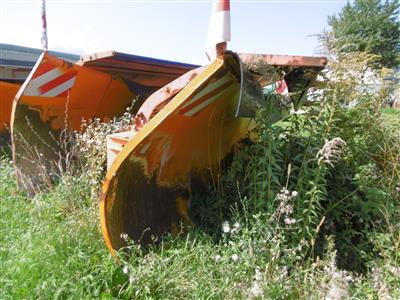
(219, 32)
(44, 27)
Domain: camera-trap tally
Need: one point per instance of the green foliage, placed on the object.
(48, 249)
(342, 160)
(51, 248)
(371, 26)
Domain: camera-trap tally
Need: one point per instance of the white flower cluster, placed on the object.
(379, 284)
(235, 258)
(337, 287)
(232, 230)
(256, 290)
(91, 145)
(331, 152)
(285, 207)
(217, 258)
(226, 228)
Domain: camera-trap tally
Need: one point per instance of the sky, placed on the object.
(167, 29)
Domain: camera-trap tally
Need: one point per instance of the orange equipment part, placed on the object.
(7, 94)
(58, 95)
(145, 192)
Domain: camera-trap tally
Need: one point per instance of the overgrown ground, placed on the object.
(52, 248)
(309, 208)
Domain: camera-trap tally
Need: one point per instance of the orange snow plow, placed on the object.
(183, 132)
(16, 63)
(58, 95)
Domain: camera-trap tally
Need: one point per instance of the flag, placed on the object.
(44, 26)
(219, 30)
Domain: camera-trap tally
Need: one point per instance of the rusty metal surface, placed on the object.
(37, 150)
(299, 72)
(286, 60)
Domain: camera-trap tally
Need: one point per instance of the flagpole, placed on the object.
(44, 27)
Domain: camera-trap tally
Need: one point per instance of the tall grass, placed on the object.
(51, 248)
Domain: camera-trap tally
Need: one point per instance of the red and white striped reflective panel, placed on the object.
(219, 30)
(205, 97)
(282, 87)
(223, 5)
(49, 81)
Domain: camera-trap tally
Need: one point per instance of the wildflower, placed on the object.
(125, 269)
(331, 151)
(217, 258)
(284, 271)
(236, 228)
(284, 195)
(338, 287)
(226, 227)
(294, 194)
(289, 221)
(349, 278)
(131, 279)
(124, 236)
(235, 257)
(256, 291)
(287, 209)
(257, 275)
(379, 284)
(395, 271)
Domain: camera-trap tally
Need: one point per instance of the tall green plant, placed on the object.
(335, 156)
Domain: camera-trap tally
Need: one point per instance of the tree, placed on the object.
(370, 26)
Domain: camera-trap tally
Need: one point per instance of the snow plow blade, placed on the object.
(58, 95)
(183, 132)
(146, 189)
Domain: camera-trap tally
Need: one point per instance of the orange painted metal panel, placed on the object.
(145, 190)
(7, 94)
(56, 97)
